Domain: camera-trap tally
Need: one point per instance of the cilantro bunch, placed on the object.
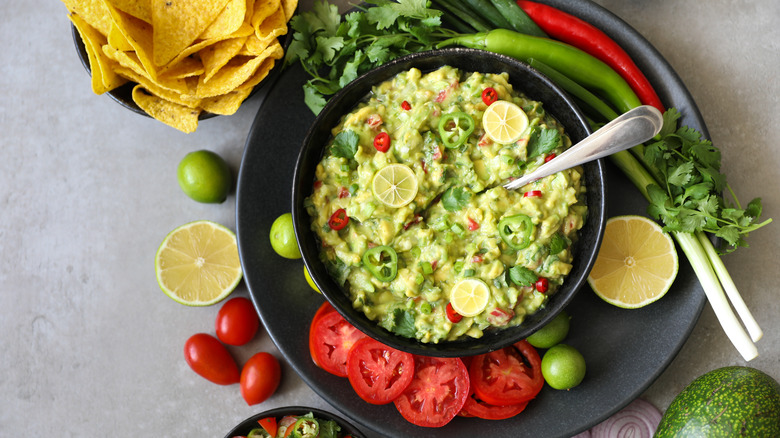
(334, 52)
(689, 197)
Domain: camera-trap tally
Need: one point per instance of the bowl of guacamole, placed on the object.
(402, 218)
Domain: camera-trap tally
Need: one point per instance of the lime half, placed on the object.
(469, 297)
(504, 122)
(394, 185)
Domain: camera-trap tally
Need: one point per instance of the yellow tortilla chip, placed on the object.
(177, 23)
(131, 61)
(228, 21)
(94, 12)
(226, 104)
(141, 9)
(187, 67)
(103, 76)
(260, 74)
(262, 10)
(187, 99)
(274, 25)
(244, 30)
(250, 10)
(139, 34)
(256, 46)
(237, 71)
(217, 55)
(289, 7)
(117, 40)
(172, 114)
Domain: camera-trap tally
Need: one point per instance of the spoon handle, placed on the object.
(630, 129)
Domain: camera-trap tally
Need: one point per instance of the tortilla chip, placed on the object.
(289, 7)
(117, 40)
(217, 55)
(259, 76)
(141, 9)
(131, 61)
(237, 71)
(187, 99)
(244, 30)
(177, 23)
(187, 67)
(103, 76)
(255, 46)
(262, 10)
(94, 12)
(172, 114)
(139, 34)
(228, 21)
(226, 104)
(273, 26)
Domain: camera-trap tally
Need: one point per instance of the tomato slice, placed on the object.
(333, 338)
(475, 407)
(269, 425)
(378, 373)
(437, 392)
(509, 376)
(322, 310)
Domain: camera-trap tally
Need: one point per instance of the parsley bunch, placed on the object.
(334, 52)
(689, 198)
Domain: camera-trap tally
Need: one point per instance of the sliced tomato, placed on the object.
(378, 373)
(323, 309)
(475, 407)
(509, 376)
(269, 425)
(437, 392)
(333, 338)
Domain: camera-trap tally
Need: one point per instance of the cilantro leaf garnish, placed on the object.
(403, 323)
(522, 276)
(345, 144)
(542, 141)
(455, 198)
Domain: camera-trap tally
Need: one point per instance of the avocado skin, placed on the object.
(729, 402)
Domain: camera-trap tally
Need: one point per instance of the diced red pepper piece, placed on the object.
(532, 194)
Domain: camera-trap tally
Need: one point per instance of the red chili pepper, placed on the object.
(452, 315)
(338, 219)
(343, 192)
(317, 184)
(477, 259)
(416, 220)
(489, 95)
(542, 284)
(382, 142)
(374, 121)
(532, 194)
(473, 225)
(406, 106)
(549, 157)
(583, 35)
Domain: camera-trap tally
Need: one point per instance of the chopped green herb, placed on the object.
(455, 198)
(542, 141)
(345, 144)
(522, 276)
(403, 323)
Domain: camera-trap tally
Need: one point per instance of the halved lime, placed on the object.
(394, 185)
(504, 122)
(469, 297)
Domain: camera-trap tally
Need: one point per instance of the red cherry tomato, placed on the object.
(489, 95)
(437, 392)
(210, 359)
(260, 378)
(382, 142)
(237, 321)
(509, 376)
(378, 373)
(333, 338)
(542, 284)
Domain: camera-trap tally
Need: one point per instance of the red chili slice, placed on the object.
(473, 225)
(382, 142)
(532, 194)
(406, 106)
(549, 157)
(452, 315)
(338, 219)
(489, 95)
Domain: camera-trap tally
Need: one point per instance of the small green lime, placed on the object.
(563, 367)
(205, 177)
(283, 237)
(309, 280)
(551, 334)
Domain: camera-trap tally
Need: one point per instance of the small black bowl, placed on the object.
(123, 94)
(243, 428)
(524, 79)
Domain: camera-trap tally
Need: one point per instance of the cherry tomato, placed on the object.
(260, 378)
(382, 142)
(333, 338)
(542, 284)
(508, 376)
(489, 95)
(437, 392)
(210, 359)
(237, 321)
(378, 373)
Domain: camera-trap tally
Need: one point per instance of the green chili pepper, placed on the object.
(381, 262)
(581, 67)
(455, 128)
(516, 231)
(305, 428)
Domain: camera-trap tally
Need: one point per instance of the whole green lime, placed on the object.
(205, 177)
(563, 367)
(551, 334)
(283, 237)
(309, 279)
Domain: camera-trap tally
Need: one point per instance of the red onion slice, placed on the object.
(639, 419)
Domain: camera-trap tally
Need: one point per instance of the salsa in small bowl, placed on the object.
(401, 218)
(309, 422)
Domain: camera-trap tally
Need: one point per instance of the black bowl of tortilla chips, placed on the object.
(180, 63)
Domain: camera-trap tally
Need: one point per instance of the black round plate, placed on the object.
(625, 350)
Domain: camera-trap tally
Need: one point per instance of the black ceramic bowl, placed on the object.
(123, 94)
(524, 79)
(243, 428)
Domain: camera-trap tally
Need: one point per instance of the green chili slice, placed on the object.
(455, 128)
(516, 231)
(305, 428)
(381, 262)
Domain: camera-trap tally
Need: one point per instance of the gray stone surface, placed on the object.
(89, 343)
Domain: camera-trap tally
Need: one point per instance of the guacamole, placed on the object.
(400, 261)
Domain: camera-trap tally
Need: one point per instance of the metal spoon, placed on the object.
(630, 129)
